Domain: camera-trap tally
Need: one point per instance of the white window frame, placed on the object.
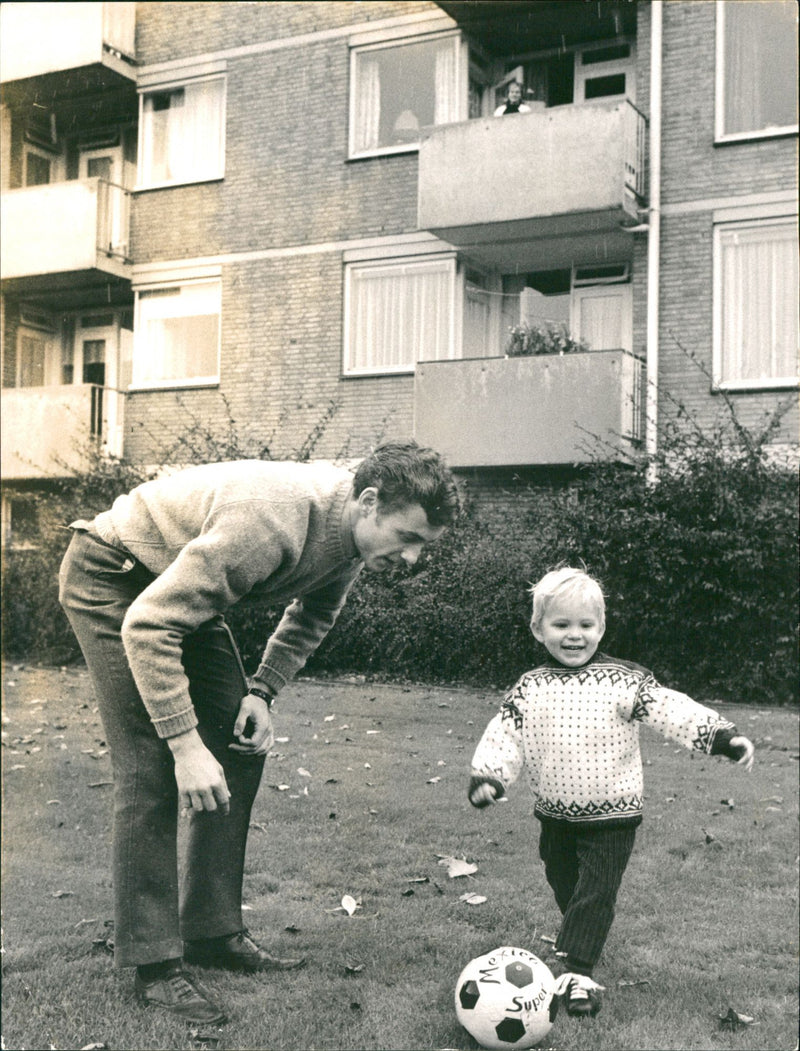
(608, 68)
(721, 227)
(214, 284)
(720, 135)
(617, 290)
(215, 167)
(458, 104)
(443, 262)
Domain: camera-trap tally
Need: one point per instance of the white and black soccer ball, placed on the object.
(506, 999)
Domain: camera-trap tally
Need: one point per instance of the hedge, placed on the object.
(697, 554)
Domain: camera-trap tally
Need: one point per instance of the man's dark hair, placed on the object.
(406, 473)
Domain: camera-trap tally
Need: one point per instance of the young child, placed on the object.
(573, 722)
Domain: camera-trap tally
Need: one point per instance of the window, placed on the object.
(605, 72)
(601, 316)
(397, 314)
(35, 365)
(594, 302)
(37, 168)
(177, 333)
(756, 68)
(398, 89)
(183, 133)
(20, 522)
(755, 304)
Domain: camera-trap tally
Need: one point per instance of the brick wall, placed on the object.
(288, 184)
(166, 31)
(282, 339)
(695, 171)
(282, 317)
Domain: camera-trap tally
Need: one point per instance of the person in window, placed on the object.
(513, 103)
(145, 586)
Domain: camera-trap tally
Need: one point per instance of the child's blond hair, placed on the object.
(565, 581)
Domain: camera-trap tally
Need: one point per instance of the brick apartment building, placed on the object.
(303, 215)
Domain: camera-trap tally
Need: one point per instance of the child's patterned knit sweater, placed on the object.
(576, 730)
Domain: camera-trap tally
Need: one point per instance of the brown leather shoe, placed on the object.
(178, 993)
(236, 952)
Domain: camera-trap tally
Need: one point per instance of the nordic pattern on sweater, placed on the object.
(576, 732)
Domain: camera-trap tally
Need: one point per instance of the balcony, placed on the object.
(41, 39)
(538, 410)
(47, 432)
(66, 241)
(495, 187)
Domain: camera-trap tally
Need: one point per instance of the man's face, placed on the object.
(390, 538)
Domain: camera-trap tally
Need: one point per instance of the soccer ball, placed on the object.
(506, 999)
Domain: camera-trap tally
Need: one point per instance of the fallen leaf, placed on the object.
(547, 938)
(419, 879)
(473, 899)
(623, 982)
(62, 894)
(292, 929)
(353, 968)
(433, 781)
(349, 904)
(99, 784)
(303, 772)
(409, 893)
(202, 1038)
(372, 732)
(457, 866)
(734, 1020)
(329, 718)
(94, 1047)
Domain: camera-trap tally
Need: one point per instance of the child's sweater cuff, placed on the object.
(721, 744)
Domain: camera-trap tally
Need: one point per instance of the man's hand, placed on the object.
(253, 727)
(201, 780)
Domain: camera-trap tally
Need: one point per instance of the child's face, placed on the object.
(571, 629)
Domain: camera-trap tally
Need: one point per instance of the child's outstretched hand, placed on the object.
(484, 791)
(743, 752)
(483, 795)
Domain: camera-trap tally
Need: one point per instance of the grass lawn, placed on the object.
(366, 791)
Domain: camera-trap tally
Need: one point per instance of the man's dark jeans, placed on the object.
(154, 910)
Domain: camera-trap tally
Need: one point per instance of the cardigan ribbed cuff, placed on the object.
(174, 725)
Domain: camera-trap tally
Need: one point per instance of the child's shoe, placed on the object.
(581, 994)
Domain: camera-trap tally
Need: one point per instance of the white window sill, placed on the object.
(143, 188)
(137, 388)
(385, 151)
(755, 136)
(754, 386)
(356, 374)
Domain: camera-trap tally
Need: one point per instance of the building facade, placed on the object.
(304, 219)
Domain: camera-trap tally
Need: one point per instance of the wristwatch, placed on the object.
(257, 692)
